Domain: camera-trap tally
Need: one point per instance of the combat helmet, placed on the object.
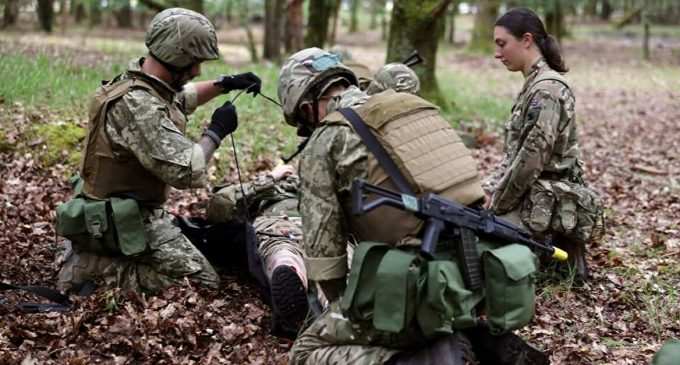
(181, 37)
(395, 76)
(308, 73)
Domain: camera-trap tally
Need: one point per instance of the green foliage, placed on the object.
(62, 142)
(41, 80)
(471, 99)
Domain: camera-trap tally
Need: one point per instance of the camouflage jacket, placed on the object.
(540, 140)
(334, 157)
(140, 123)
(264, 196)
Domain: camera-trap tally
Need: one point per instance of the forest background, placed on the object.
(624, 57)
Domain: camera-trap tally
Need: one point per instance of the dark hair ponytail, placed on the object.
(522, 20)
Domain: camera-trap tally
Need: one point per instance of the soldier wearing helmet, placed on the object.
(136, 149)
(316, 91)
(395, 76)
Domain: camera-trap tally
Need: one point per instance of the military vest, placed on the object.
(427, 151)
(108, 170)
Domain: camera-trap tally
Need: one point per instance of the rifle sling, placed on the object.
(378, 150)
(61, 302)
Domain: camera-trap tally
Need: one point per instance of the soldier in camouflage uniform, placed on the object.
(395, 76)
(313, 84)
(540, 181)
(135, 150)
(271, 199)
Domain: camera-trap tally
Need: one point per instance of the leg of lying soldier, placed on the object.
(170, 259)
(279, 247)
(334, 339)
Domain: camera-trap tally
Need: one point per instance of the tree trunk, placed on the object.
(606, 10)
(294, 26)
(228, 10)
(272, 30)
(554, 19)
(334, 23)
(645, 33)
(452, 22)
(375, 9)
(418, 25)
(46, 14)
(79, 13)
(95, 13)
(482, 31)
(123, 14)
(354, 16)
(320, 12)
(10, 13)
(383, 20)
(590, 9)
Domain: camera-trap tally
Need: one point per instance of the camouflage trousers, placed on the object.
(334, 339)
(170, 258)
(280, 243)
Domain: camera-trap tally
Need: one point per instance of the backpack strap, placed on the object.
(60, 302)
(377, 149)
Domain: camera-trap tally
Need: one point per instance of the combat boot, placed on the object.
(450, 350)
(289, 301)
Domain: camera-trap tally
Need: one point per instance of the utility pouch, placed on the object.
(509, 287)
(128, 220)
(109, 227)
(445, 303)
(396, 292)
(357, 300)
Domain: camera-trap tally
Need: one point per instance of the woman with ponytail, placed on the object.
(539, 184)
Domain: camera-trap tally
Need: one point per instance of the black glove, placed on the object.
(224, 121)
(248, 81)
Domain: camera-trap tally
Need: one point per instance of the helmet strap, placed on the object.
(176, 73)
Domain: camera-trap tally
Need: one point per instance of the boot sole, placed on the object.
(289, 302)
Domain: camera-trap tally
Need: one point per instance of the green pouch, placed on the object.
(129, 223)
(396, 291)
(71, 217)
(509, 287)
(445, 304)
(96, 218)
(357, 300)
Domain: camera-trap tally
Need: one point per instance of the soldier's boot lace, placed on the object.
(289, 301)
(450, 350)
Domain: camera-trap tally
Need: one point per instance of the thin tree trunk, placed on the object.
(354, 16)
(46, 14)
(228, 10)
(319, 13)
(123, 15)
(383, 20)
(554, 19)
(606, 10)
(334, 23)
(294, 25)
(374, 14)
(272, 30)
(95, 13)
(418, 25)
(452, 22)
(10, 13)
(482, 32)
(79, 12)
(645, 35)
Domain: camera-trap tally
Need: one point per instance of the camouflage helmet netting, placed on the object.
(302, 72)
(181, 37)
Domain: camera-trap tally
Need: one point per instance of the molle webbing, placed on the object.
(106, 174)
(423, 145)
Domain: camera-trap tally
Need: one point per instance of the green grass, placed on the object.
(471, 99)
(43, 81)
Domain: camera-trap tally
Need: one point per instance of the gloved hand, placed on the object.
(247, 80)
(223, 122)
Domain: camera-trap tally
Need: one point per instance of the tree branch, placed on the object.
(439, 9)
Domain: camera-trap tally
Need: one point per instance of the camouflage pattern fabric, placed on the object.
(171, 258)
(153, 138)
(181, 38)
(277, 221)
(542, 174)
(139, 124)
(396, 76)
(334, 339)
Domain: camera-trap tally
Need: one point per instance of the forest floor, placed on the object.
(629, 129)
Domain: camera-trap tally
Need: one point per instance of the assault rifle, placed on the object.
(441, 214)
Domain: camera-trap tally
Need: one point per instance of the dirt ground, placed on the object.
(629, 132)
